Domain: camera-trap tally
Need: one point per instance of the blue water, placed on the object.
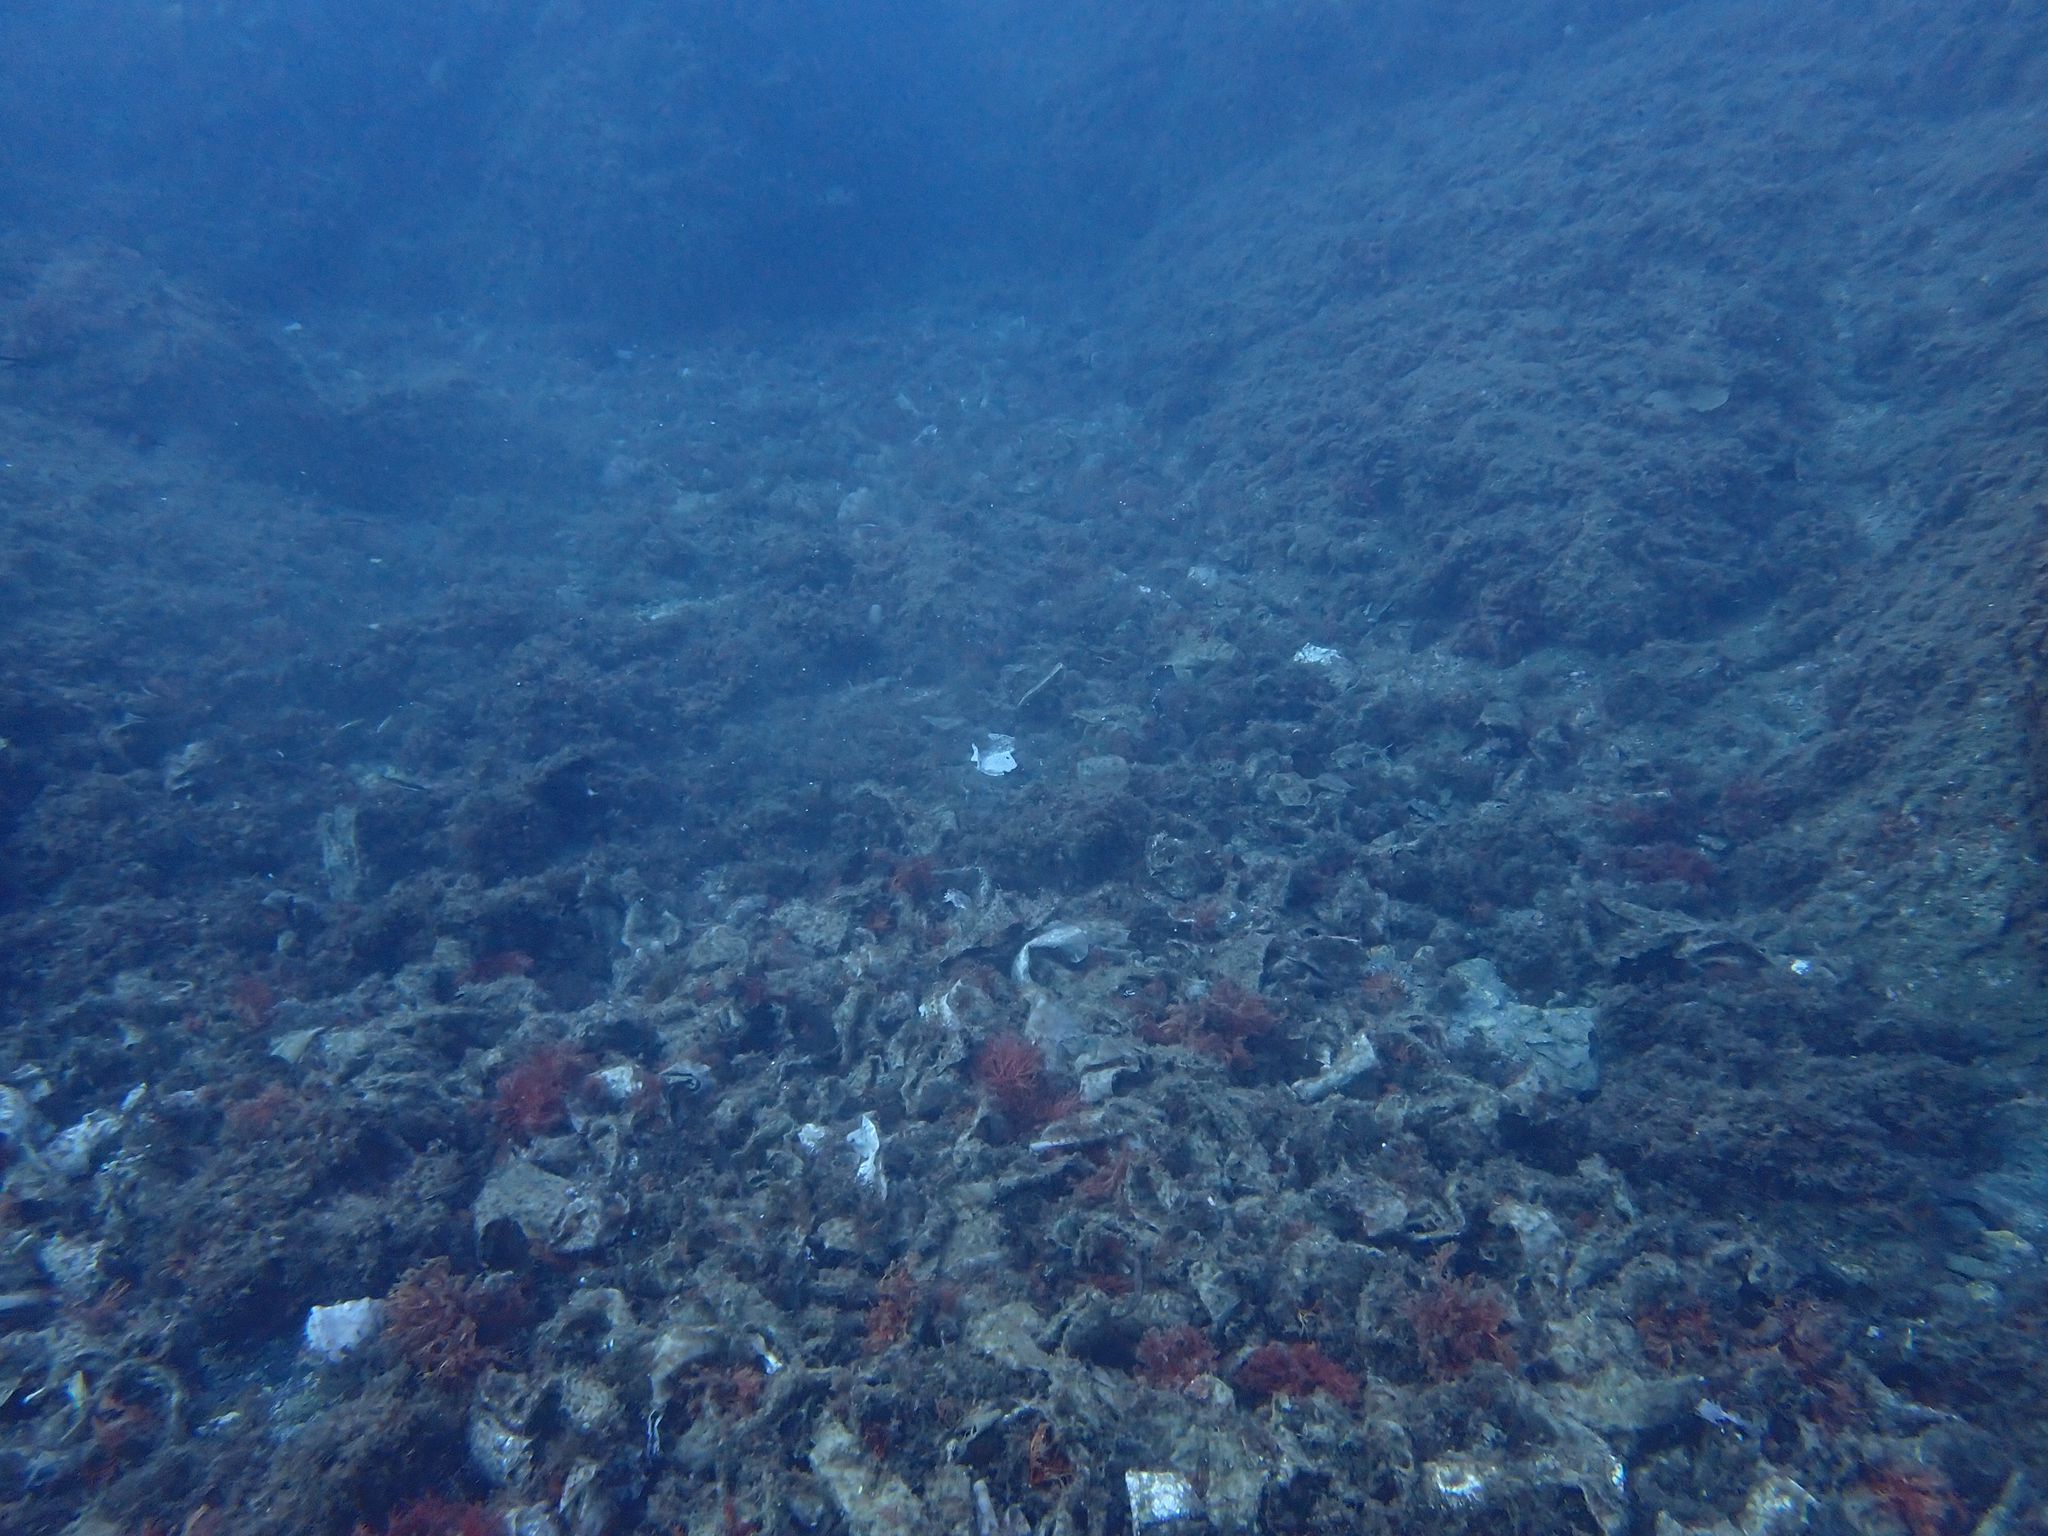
(914, 766)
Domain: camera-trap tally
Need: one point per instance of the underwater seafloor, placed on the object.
(1500, 994)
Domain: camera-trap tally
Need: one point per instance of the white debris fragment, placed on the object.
(1160, 1498)
(1331, 662)
(332, 1332)
(1072, 941)
(1072, 1136)
(182, 764)
(995, 756)
(811, 1136)
(866, 1141)
(941, 1007)
(292, 1046)
(1358, 1059)
(624, 1083)
(771, 1362)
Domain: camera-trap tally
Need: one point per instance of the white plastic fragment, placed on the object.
(995, 755)
(1070, 1135)
(941, 1007)
(1331, 662)
(1050, 1021)
(185, 762)
(332, 1332)
(811, 1136)
(1358, 1059)
(866, 1141)
(292, 1046)
(1045, 682)
(1070, 940)
(1160, 1498)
